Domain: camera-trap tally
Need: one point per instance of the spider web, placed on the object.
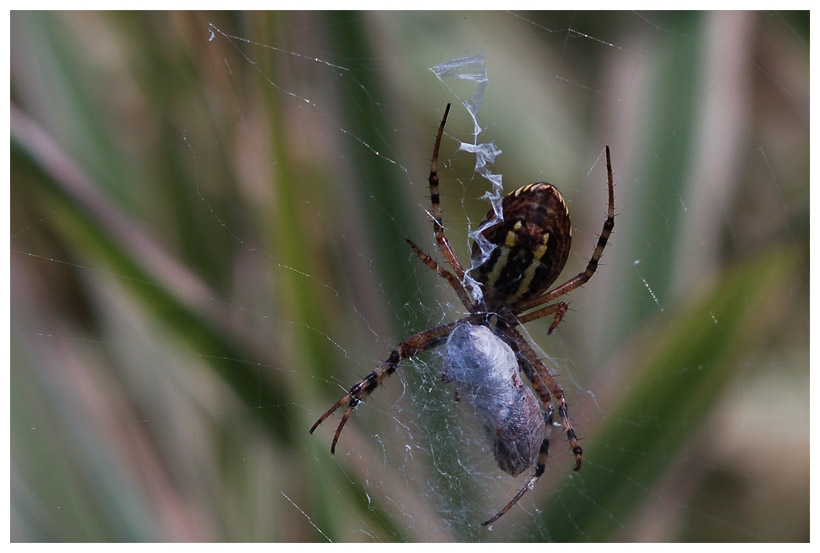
(252, 266)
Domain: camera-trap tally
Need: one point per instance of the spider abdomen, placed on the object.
(528, 248)
(484, 369)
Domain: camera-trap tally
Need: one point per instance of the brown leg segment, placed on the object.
(446, 275)
(541, 463)
(358, 393)
(559, 309)
(582, 278)
(557, 392)
(435, 200)
(540, 467)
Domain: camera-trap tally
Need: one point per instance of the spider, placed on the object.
(529, 246)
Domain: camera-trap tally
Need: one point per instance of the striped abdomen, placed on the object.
(531, 245)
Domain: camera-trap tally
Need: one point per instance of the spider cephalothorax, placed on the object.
(516, 259)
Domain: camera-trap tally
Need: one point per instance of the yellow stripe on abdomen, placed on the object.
(529, 272)
(500, 263)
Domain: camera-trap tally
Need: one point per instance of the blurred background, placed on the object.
(208, 214)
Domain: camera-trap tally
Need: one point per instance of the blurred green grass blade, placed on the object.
(98, 243)
(663, 162)
(86, 221)
(680, 377)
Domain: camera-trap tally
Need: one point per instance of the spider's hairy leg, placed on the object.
(540, 467)
(541, 463)
(559, 309)
(582, 278)
(445, 274)
(545, 378)
(433, 180)
(409, 347)
(435, 200)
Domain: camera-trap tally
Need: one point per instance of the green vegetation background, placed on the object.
(200, 258)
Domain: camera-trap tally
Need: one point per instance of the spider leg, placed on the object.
(541, 462)
(545, 378)
(582, 278)
(445, 274)
(556, 308)
(540, 466)
(407, 348)
(435, 200)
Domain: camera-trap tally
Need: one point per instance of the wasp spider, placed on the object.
(528, 248)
